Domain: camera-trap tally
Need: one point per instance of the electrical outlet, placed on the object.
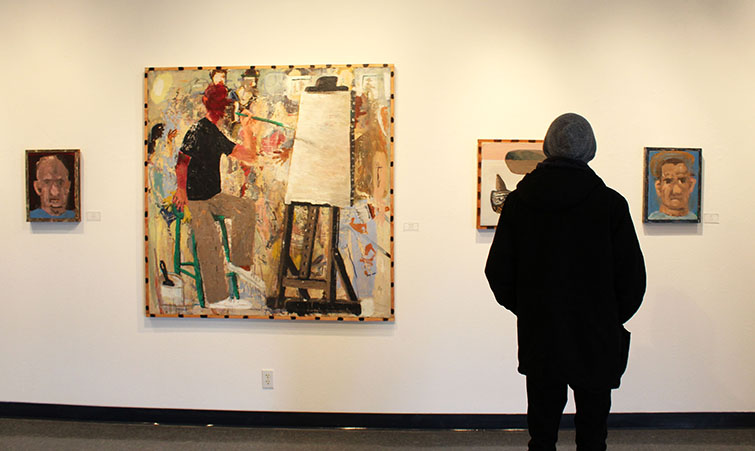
(267, 378)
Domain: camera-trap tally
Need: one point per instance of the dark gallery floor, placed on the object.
(26, 434)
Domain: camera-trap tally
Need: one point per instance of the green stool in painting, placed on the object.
(194, 272)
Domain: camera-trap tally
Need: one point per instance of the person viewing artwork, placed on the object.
(52, 183)
(566, 261)
(676, 196)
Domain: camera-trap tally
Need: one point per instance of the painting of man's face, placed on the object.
(672, 185)
(52, 185)
(674, 188)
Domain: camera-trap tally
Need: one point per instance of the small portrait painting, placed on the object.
(52, 186)
(673, 179)
(501, 164)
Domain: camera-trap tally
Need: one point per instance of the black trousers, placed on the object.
(546, 399)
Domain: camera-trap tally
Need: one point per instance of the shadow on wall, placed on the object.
(60, 228)
(484, 236)
(653, 229)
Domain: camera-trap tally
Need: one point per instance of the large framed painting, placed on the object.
(672, 185)
(269, 192)
(52, 186)
(501, 164)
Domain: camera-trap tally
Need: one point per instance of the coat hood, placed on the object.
(559, 184)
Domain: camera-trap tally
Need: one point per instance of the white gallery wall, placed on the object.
(645, 73)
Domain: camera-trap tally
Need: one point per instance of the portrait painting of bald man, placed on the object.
(673, 179)
(52, 186)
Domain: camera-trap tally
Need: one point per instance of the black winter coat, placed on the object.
(566, 261)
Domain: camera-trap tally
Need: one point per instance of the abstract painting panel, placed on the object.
(269, 192)
(52, 186)
(501, 164)
(672, 181)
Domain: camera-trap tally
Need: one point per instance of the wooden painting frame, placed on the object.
(57, 198)
(501, 164)
(677, 200)
(331, 263)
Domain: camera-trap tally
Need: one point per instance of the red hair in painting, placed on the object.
(215, 99)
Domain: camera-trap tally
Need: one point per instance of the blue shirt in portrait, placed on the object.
(41, 214)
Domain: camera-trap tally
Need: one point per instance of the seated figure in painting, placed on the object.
(674, 183)
(52, 185)
(199, 187)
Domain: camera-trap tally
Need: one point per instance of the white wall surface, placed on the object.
(645, 73)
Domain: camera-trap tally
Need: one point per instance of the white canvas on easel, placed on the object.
(320, 171)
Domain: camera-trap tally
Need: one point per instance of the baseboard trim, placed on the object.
(658, 420)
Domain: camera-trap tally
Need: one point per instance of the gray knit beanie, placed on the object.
(570, 136)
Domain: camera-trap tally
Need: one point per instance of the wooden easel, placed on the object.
(301, 278)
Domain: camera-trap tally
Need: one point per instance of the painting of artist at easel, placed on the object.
(222, 147)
